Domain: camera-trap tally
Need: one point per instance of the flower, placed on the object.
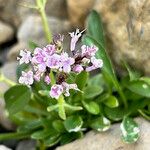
(56, 91)
(47, 79)
(50, 49)
(88, 51)
(66, 62)
(96, 63)
(78, 68)
(53, 61)
(26, 78)
(53, 58)
(74, 38)
(68, 87)
(25, 57)
(39, 59)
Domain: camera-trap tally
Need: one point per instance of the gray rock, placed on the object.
(3, 147)
(6, 32)
(32, 29)
(111, 140)
(26, 145)
(57, 8)
(9, 70)
(127, 26)
(14, 51)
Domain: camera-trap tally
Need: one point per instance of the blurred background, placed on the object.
(126, 26)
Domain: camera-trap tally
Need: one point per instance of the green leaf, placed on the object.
(100, 124)
(73, 123)
(92, 91)
(69, 137)
(95, 28)
(111, 102)
(91, 107)
(130, 130)
(58, 125)
(115, 114)
(97, 80)
(132, 74)
(52, 140)
(32, 45)
(41, 134)
(146, 79)
(139, 87)
(16, 98)
(81, 79)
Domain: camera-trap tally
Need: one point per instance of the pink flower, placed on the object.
(56, 91)
(66, 62)
(37, 76)
(49, 49)
(26, 78)
(39, 59)
(96, 63)
(74, 38)
(88, 51)
(68, 87)
(47, 79)
(25, 57)
(78, 68)
(53, 61)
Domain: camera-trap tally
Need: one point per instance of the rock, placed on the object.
(26, 145)
(111, 140)
(6, 32)
(9, 70)
(127, 26)
(2, 147)
(8, 12)
(32, 29)
(78, 10)
(57, 8)
(14, 51)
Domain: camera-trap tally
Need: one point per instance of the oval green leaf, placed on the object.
(100, 124)
(91, 107)
(16, 98)
(73, 123)
(130, 130)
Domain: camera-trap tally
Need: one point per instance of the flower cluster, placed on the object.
(53, 58)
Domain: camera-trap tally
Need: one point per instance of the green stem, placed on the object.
(41, 146)
(52, 78)
(144, 115)
(7, 136)
(61, 107)
(119, 89)
(41, 9)
(6, 80)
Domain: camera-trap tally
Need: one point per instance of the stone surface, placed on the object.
(6, 32)
(127, 26)
(78, 10)
(2, 147)
(26, 145)
(32, 29)
(111, 140)
(13, 11)
(9, 70)
(57, 8)
(14, 51)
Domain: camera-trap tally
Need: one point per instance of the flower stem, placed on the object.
(47, 31)
(6, 80)
(7, 136)
(61, 107)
